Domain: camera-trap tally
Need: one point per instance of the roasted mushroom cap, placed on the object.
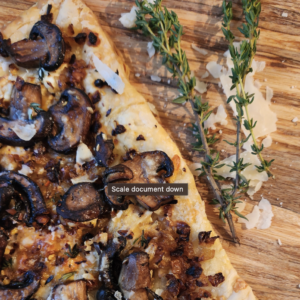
(3, 243)
(146, 167)
(104, 149)
(23, 94)
(75, 290)
(44, 48)
(72, 120)
(21, 289)
(34, 201)
(135, 275)
(82, 202)
(108, 263)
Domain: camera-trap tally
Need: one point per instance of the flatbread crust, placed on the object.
(132, 111)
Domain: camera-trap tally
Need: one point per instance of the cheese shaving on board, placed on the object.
(260, 217)
(214, 69)
(150, 49)
(219, 117)
(128, 19)
(249, 172)
(259, 111)
(112, 79)
(267, 142)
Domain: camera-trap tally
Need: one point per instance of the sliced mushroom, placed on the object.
(7, 193)
(104, 149)
(108, 263)
(34, 201)
(146, 167)
(21, 289)
(72, 120)
(3, 243)
(135, 276)
(70, 291)
(44, 48)
(23, 94)
(82, 202)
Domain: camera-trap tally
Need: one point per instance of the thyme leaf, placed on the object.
(7, 263)
(36, 107)
(73, 252)
(142, 240)
(67, 276)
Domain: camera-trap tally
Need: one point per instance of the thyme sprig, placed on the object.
(242, 65)
(166, 32)
(142, 240)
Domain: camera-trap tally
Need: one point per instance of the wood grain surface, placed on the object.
(272, 270)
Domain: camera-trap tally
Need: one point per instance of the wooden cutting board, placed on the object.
(273, 271)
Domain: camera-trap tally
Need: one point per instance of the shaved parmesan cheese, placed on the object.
(254, 186)
(112, 79)
(200, 50)
(201, 87)
(257, 84)
(285, 14)
(150, 49)
(205, 75)
(155, 78)
(84, 178)
(261, 216)
(219, 117)
(128, 19)
(25, 132)
(193, 168)
(240, 206)
(258, 66)
(252, 218)
(269, 94)
(279, 242)
(267, 142)
(249, 172)
(266, 216)
(295, 120)
(137, 74)
(83, 154)
(259, 110)
(25, 170)
(214, 69)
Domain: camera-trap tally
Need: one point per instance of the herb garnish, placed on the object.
(7, 263)
(166, 32)
(73, 252)
(36, 107)
(142, 240)
(67, 276)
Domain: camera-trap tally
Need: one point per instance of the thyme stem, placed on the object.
(166, 31)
